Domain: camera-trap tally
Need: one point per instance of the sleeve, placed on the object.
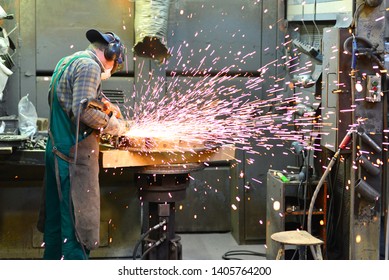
(86, 85)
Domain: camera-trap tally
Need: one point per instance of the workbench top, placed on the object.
(113, 158)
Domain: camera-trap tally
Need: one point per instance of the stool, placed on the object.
(298, 238)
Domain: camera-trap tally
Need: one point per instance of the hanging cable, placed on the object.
(314, 19)
(144, 235)
(346, 140)
(305, 27)
(356, 15)
(155, 244)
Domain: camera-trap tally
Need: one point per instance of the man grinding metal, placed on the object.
(70, 212)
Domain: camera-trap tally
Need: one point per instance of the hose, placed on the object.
(143, 236)
(162, 239)
(315, 194)
(369, 49)
(342, 145)
(227, 255)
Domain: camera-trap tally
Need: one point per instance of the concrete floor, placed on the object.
(212, 246)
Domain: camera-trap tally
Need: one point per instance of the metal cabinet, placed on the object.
(285, 209)
(206, 207)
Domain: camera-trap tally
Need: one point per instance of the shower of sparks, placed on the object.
(209, 107)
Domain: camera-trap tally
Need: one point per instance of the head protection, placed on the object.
(115, 49)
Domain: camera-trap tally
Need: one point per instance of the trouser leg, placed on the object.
(60, 235)
(71, 248)
(52, 229)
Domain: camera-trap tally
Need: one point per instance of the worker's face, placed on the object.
(107, 71)
(109, 64)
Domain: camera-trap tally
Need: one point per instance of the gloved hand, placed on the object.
(116, 126)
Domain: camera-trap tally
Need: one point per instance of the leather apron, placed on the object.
(81, 176)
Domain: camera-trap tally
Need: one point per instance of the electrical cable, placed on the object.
(307, 184)
(356, 14)
(227, 255)
(314, 19)
(368, 50)
(342, 197)
(298, 200)
(156, 244)
(144, 235)
(342, 145)
(330, 208)
(306, 188)
(305, 27)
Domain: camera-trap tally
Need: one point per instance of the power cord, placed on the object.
(143, 236)
(227, 255)
(155, 244)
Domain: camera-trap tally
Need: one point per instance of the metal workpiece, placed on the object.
(114, 158)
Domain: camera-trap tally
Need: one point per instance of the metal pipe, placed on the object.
(151, 21)
(366, 191)
(367, 165)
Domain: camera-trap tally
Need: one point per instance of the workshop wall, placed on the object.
(206, 35)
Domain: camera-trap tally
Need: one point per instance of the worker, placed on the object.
(70, 211)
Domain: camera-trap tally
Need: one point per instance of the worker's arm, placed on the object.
(85, 89)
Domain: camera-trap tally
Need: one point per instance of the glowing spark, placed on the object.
(380, 18)
(257, 180)
(276, 205)
(207, 106)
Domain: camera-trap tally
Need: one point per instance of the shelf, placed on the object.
(282, 197)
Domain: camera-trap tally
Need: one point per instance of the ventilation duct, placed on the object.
(151, 18)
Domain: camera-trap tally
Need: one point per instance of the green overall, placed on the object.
(72, 196)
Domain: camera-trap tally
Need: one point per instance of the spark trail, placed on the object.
(214, 109)
(222, 105)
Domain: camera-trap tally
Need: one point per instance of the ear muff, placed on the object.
(114, 52)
